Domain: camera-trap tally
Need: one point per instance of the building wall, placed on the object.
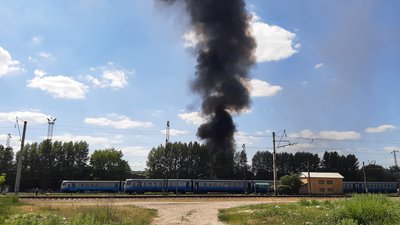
(323, 186)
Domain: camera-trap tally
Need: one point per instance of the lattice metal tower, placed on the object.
(51, 122)
(8, 140)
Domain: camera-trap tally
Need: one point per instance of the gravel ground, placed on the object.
(175, 211)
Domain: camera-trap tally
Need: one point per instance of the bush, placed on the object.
(5, 206)
(367, 209)
(35, 219)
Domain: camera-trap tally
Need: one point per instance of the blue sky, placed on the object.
(113, 73)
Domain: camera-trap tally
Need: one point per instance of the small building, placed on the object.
(321, 183)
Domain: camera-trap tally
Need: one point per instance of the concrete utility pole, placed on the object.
(274, 163)
(8, 140)
(365, 179)
(308, 178)
(19, 165)
(395, 158)
(166, 154)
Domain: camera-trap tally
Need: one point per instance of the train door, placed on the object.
(187, 186)
(248, 188)
(139, 187)
(196, 187)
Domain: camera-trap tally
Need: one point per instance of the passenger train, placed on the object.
(372, 187)
(141, 186)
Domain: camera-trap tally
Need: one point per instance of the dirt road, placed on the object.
(177, 211)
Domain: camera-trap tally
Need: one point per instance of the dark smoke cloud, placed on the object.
(224, 56)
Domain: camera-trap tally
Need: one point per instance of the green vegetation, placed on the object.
(13, 213)
(359, 210)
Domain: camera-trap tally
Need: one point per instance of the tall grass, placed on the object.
(85, 215)
(6, 204)
(359, 210)
(368, 209)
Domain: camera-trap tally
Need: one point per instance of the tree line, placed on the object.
(47, 163)
(193, 160)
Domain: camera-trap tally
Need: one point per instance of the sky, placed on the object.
(113, 73)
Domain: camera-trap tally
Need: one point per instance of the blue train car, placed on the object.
(158, 185)
(91, 186)
(372, 187)
(230, 186)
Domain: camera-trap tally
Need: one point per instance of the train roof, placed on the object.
(93, 181)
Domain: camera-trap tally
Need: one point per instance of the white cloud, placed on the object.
(244, 138)
(7, 64)
(273, 42)
(318, 66)
(380, 129)
(138, 166)
(58, 86)
(32, 117)
(195, 118)
(331, 135)
(157, 113)
(174, 132)
(260, 88)
(117, 121)
(39, 73)
(100, 142)
(138, 151)
(190, 39)
(109, 77)
(46, 55)
(391, 148)
(37, 40)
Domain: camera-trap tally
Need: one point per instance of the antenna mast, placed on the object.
(51, 122)
(8, 140)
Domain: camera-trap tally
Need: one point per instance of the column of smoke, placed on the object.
(224, 56)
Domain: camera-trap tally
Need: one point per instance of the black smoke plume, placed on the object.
(225, 54)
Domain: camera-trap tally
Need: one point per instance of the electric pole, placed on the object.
(166, 154)
(274, 156)
(19, 165)
(274, 162)
(395, 158)
(308, 178)
(365, 179)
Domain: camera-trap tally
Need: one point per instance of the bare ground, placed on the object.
(174, 211)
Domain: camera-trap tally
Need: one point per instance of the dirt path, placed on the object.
(179, 211)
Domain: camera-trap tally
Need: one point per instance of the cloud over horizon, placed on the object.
(7, 64)
(117, 121)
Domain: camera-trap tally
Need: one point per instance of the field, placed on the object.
(360, 209)
(12, 212)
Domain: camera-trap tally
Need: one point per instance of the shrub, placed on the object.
(367, 209)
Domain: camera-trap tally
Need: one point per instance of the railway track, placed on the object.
(182, 196)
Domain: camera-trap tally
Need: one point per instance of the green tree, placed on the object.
(241, 169)
(292, 181)
(6, 161)
(108, 164)
(190, 160)
(2, 179)
(262, 165)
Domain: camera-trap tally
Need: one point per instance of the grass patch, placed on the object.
(84, 215)
(7, 204)
(359, 210)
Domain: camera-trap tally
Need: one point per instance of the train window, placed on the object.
(321, 182)
(329, 182)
